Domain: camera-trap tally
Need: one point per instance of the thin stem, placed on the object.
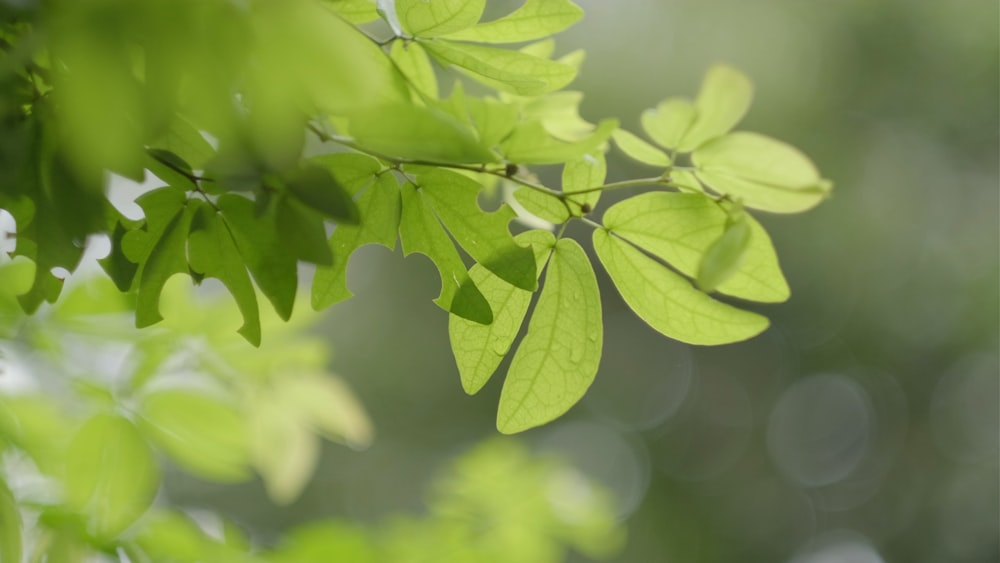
(194, 179)
(625, 184)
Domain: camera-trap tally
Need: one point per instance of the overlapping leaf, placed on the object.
(529, 143)
(420, 18)
(508, 71)
(402, 130)
(535, 19)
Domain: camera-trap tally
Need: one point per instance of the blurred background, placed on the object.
(862, 427)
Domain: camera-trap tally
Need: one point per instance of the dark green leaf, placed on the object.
(317, 188)
(302, 232)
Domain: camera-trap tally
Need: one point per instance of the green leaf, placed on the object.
(10, 527)
(680, 228)
(725, 256)
(379, 207)
(484, 236)
(559, 113)
(413, 62)
(508, 71)
(762, 172)
(542, 205)
(301, 231)
(261, 245)
(203, 434)
(184, 141)
(639, 150)
(355, 11)
(111, 475)
(421, 18)
(479, 348)
(420, 231)
(212, 253)
(327, 405)
(492, 119)
(119, 268)
(669, 121)
(580, 175)
(722, 102)
(686, 181)
(418, 133)
(535, 19)
(529, 143)
(668, 302)
(169, 168)
(317, 188)
(558, 358)
(283, 449)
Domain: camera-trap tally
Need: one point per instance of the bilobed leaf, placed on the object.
(725, 256)
(479, 348)
(558, 358)
(260, 244)
(212, 253)
(763, 172)
(484, 236)
(421, 18)
(508, 71)
(668, 302)
(10, 527)
(669, 121)
(680, 228)
(283, 449)
(317, 188)
(535, 19)
(529, 143)
(119, 268)
(639, 150)
(583, 174)
(542, 205)
(420, 231)
(111, 475)
(379, 208)
(205, 435)
(722, 102)
(408, 131)
(413, 62)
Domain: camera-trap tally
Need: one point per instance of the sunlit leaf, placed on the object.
(485, 236)
(489, 117)
(282, 448)
(669, 121)
(542, 205)
(355, 11)
(111, 475)
(667, 301)
(725, 256)
(583, 175)
(686, 181)
(535, 19)
(413, 62)
(503, 69)
(529, 143)
(559, 113)
(421, 18)
(10, 527)
(420, 231)
(203, 434)
(639, 150)
(763, 172)
(479, 348)
(379, 208)
(327, 405)
(404, 131)
(557, 360)
(724, 98)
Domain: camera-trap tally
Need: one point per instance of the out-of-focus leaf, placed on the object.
(529, 143)
(484, 236)
(669, 121)
(413, 62)
(668, 302)
(429, 19)
(722, 102)
(557, 360)
(111, 475)
(10, 527)
(319, 190)
(282, 448)
(205, 435)
(420, 231)
(327, 541)
(762, 172)
(639, 150)
(355, 11)
(414, 132)
(329, 407)
(535, 19)
(559, 113)
(508, 71)
(479, 348)
(725, 256)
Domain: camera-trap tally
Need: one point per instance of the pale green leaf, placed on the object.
(668, 302)
(355, 11)
(529, 143)
(10, 527)
(559, 113)
(479, 348)
(669, 121)
(725, 256)
(535, 19)
(205, 435)
(422, 18)
(542, 205)
(491, 118)
(639, 150)
(762, 172)
(111, 475)
(484, 236)
(558, 358)
(722, 102)
(582, 175)
(379, 207)
(508, 71)
(686, 181)
(408, 131)
(283, 449)
(327, 405)
(420, 231)
(680, 228)
(413, 62)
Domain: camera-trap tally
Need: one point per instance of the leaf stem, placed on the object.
(639, 182)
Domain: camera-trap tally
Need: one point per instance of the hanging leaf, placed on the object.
(722, 102)
(418, 133)
(535, 19)
(557, 360)
(508, 71)
(668, 302)
(421, 18)
(317, 188)
(479, 348)
(420, 231)
(639, 150)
